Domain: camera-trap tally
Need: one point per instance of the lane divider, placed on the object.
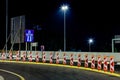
(67, 66)
(21, 78)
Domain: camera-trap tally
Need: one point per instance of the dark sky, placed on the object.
(84, 20)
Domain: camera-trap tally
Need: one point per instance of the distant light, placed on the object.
(64, 7)
(90, 40)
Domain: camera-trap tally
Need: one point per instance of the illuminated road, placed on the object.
(47, 72)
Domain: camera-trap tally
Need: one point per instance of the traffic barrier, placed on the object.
(51, 60)
(10, 55)
(92, 62)
(30, 57)
(105, 65)
(3, 55)
(24, 56)
(99, 62)
(44, 57)
(57, 58)
(71, 60)
(17, 55)
(79, 60)
(37, 57)
(64, 59)
(86, 60)
(111, 64)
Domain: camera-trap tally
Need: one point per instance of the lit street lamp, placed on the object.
(64, 8)
(90, 41)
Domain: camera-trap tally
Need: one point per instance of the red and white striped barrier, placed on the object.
(112, 64)
(92, 62)
(51, 60)
(99, 63)
(30, 57)
(57, 58)
(24, 56)
(105, 65)
(3, 55)
(64, 59)
(71, 60)
(44, 57)
(79, 60)
(10, 55)
(37, 57)
(17, 56)
(86, 60)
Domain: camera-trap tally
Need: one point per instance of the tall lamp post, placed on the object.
(90, 41)
(64, 9)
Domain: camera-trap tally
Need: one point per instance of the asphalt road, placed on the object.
(47, 72)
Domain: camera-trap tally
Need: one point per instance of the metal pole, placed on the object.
(64, 31)
(112, 45)
(6, 22)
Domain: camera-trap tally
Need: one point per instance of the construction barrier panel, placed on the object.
(99, 62)
(111, 64)
(57, 58)
(64, 59)
(92, 62)
(79, 60)
(71, 60)
(105, 65)
(86, 60)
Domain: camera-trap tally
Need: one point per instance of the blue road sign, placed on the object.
(29, 35)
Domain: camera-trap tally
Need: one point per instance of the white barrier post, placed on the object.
(30, 57)
(44, 57)
(10, 55)
(51, 61)
(64, 59)
(17, 55)
(37, 57)
(57, 58)
(105, 65)
(24, 56)
(99, 62)
(92, 62)
(86, 60)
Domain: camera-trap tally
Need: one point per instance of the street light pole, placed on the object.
(6, 22)
(64, 30)
(90, 41)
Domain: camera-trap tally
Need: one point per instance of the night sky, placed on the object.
(84, 20)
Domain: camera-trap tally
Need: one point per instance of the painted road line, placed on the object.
(67, 66)
(22, 78)
(1, 78)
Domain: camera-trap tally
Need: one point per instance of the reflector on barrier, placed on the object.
(64, 59)
(44, 57)
(51, 61)
(111, 64)
(71, 60)
(86, 60)
(105, 65)
(79, 60)
(57, 58)
(99, 62)
(92, 62)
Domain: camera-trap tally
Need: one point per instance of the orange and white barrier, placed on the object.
(99, 63)
(86, 60)
(30, 57)
(92, 62)
(37, 57)
(111, 64)
(71, 60)
(17, 56)
(79, 60)
(3, 56)
(64, 59)
(44, 57)
(57, 58)
(24, 56)
(51, 60)
(105, 65)
(10, 55)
